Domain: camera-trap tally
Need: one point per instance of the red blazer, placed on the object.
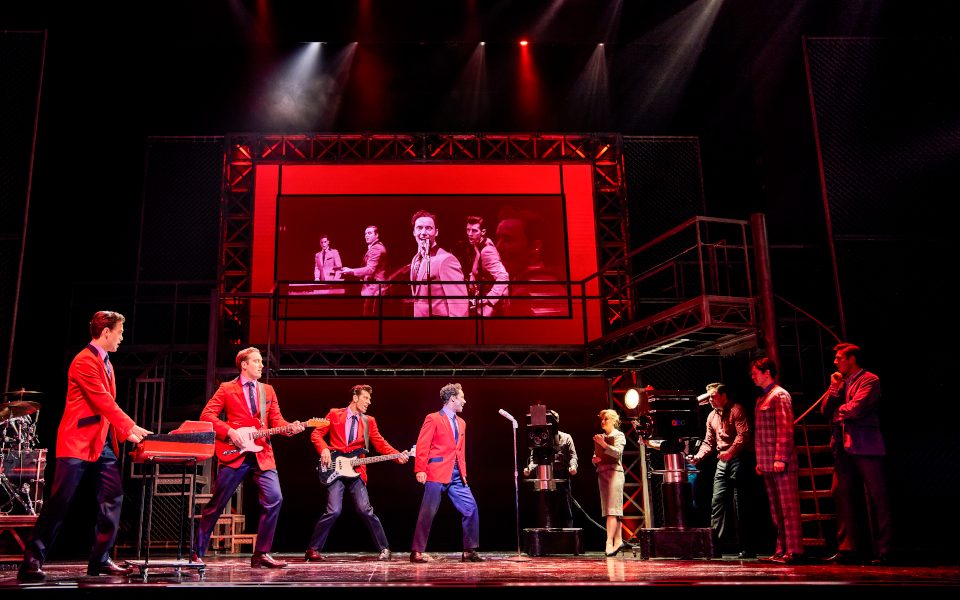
(338, 441)
(436, 448)
(91, 410)
(231, 399)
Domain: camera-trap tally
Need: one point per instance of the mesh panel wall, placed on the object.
(664, 184)
(886, 119)
(181, 209)
(20, 60)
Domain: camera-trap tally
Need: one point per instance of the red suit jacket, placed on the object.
(91, 410)
(231, 399)
(436, 448)
(338, 441)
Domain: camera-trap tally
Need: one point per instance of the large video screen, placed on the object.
(538, 217)
(526, 231)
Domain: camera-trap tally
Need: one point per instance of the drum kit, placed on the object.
(21, 463)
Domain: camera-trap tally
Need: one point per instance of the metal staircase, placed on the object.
(805, 351)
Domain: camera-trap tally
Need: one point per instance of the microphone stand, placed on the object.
(426, 257)
(516, 496)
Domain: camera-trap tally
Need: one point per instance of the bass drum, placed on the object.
(23, 480)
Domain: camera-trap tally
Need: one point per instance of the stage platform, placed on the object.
(503, 574)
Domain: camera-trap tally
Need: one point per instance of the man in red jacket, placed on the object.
(87, 440)
(349, 429)
(246, 402)
(441, 466)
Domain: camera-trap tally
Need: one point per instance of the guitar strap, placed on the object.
(366, 433)
(263, 407)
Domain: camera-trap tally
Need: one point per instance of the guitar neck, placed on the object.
(376, 459)
(268, 432)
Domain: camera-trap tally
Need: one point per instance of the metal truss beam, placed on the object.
(184, 360)
(698, 326)
(417, 362)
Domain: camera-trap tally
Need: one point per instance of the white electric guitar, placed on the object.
(342, 463)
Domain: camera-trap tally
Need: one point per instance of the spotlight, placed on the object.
(523, 42)
(632, 399)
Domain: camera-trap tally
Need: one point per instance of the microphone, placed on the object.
(508, 416)
(703, 398)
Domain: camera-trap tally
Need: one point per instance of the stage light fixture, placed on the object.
(632, 399)
(524, 42)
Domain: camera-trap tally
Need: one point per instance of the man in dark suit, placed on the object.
(441, 466)
(447, 297)
(373, 271)
(246, 401)
(349, 428)
(852, 404)
(90, 428)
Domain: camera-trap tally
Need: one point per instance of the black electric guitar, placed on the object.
(342, 463)
(254, 439)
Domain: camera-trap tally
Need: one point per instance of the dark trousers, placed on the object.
(462, 498)
(69, 473)
(228, 479)
(730, 499)
(361, 503)
(858, 480)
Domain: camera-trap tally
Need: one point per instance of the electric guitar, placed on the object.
(253, 440)
(342, 463)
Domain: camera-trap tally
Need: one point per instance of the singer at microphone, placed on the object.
(446, 294)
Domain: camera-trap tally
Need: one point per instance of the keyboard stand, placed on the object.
(187, 494)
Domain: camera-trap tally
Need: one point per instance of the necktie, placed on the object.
(106, 361)
(253, 399)
(323, 264)
(353, 429)
(417, 263)
(456, 430)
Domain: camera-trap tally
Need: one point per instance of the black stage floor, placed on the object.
(502, 573)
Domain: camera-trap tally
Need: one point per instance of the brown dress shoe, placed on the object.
(265, 561)
(312, 555)
(471, 556)
(420, 557)
(109, 567)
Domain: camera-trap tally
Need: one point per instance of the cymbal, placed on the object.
(21, 393)
(17, 408)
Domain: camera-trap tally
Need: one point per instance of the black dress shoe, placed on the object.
(471, 556)
(262, 560)
(778, 557)
(31, 570)
(420, 557)
(746, 554)
(843, 558)
(109, 567)
(385, 554)
(312, 555)
(881, 560)
(791, 559)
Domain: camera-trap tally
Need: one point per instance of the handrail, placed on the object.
(824, 326)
